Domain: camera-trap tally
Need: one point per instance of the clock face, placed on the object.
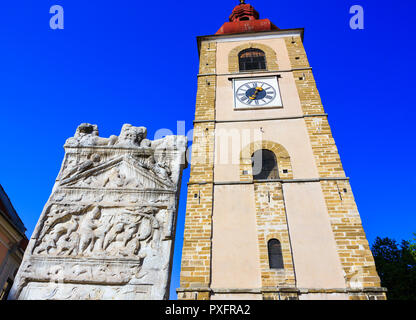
(257, 93)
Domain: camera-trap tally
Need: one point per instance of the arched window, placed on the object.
(264, 165)
(252, 59)
(275, 254)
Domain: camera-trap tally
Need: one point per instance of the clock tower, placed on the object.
(270, 212)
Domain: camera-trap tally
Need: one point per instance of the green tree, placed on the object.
(413, 245)
(396, 266)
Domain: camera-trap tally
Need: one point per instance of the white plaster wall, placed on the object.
(278, 45)
(236, 296)
(235, 255)
(224, 91)
(291, 134)
(316, 261)
(225, 100)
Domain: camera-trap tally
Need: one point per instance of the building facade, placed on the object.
(13, 242)
(270, 212)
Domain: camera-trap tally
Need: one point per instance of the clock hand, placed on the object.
(254, 96)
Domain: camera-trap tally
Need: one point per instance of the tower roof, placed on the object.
(245, 18)
(244, 11)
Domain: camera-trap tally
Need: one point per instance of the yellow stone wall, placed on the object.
(196, 252)
(352, 245)
(272, 224)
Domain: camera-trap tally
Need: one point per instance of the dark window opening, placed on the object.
(264, 165)
(275, 254)
(252, 59)
(244, 18)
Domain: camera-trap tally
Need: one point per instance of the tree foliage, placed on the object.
(396, 266)
(413, 245)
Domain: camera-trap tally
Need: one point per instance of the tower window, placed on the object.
(264, 165)
(275, 254)
(252, 59)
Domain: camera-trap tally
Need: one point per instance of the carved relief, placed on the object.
(107, 229)
(96, 231)
(120, 172)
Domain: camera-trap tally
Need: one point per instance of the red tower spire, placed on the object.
(245, 18)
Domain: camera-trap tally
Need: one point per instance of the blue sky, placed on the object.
(100, 67)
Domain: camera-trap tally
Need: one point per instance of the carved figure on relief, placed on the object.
(87, 135)
(114, 234)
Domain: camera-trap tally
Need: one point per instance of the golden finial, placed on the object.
(242, 2)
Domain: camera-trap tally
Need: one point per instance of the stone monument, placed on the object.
(108, 228)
